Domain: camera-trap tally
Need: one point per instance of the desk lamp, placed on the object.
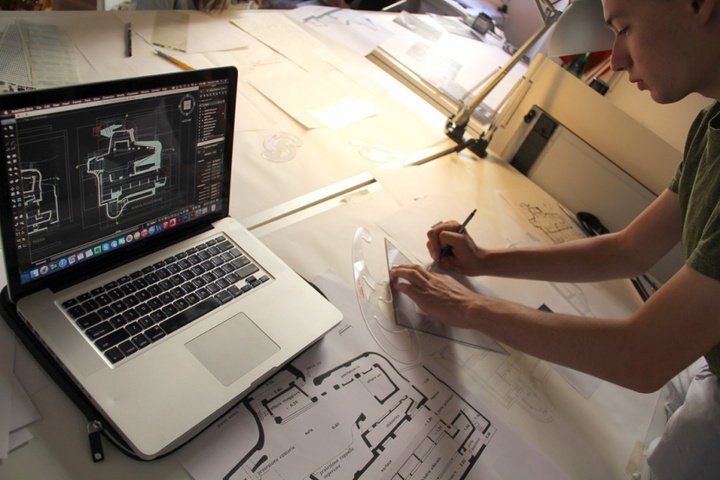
(580, 28)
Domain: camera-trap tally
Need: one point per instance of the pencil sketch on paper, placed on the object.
(333, 17)
(543, 215)
(517, 381)
(553, 224)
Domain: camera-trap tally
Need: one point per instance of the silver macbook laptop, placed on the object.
(121, 256)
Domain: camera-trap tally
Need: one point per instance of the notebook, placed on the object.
(123, 260)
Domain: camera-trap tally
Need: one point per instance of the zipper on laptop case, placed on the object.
(94, 429)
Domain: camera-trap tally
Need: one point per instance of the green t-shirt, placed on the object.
(697, 183)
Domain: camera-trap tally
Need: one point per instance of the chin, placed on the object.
(665, 98)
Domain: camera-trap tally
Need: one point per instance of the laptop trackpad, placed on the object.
(233, 348)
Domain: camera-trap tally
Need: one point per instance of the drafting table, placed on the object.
(307, 209)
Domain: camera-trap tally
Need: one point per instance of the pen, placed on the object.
(128, 39)
(447, 249)
(174, 60)
(640, 288)
(650, 282)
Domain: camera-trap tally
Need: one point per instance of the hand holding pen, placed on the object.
(447, 250)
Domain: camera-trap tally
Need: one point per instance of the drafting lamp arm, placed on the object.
(457, 124)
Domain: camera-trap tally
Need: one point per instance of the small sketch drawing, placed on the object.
(555, 225)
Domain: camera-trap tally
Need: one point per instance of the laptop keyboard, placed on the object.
(126, 315)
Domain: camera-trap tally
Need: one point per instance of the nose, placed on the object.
(619, 60)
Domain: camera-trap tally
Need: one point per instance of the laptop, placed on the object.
(122, 259)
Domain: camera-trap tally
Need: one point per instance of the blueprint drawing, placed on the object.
(344, 409)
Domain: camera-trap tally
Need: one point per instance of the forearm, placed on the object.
(600, 347)
(642, 352)
(605, 348)
(586, 260)
(681, 318)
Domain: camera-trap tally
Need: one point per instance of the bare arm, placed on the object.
(677, 325)
(623, 254)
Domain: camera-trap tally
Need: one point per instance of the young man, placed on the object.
(670, 48)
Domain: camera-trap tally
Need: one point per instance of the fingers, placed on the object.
(412, 274)
(411, 280)
(434, 243)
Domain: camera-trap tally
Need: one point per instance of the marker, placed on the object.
(128, 39)
(447, 249)
(174, 60)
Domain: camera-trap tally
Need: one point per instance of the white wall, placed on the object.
(641, 152)
(669, 122)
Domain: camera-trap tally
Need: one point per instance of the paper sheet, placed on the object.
(281, 34)
(315, 100)
(51, 55)
(14, 65)
(419, 27)
(23, 414)
(527, 390)
(454, 64)
(543, 215)
(408, 228)
(408, 315)
(28, 372)
(200, 32)
(170, 30)
(7, 378)
(19, 438)
(34, 55)
(345, 409)
(591, 439)
(342, 26)
(18, 371)
(23, 410)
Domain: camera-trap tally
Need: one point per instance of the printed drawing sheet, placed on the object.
(348, 409)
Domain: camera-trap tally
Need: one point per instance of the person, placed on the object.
(669, 48)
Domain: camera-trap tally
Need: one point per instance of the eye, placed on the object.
(617, 28)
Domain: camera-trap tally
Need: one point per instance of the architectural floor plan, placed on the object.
(126, 171)
(387, 413)
(40, 197)
(345, 409)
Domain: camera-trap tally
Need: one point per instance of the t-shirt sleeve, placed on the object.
(704, 258)
(675, 180)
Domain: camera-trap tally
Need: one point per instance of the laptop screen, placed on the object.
(95, 171)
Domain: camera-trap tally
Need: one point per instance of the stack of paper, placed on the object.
(35, 56)
(16, 409)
